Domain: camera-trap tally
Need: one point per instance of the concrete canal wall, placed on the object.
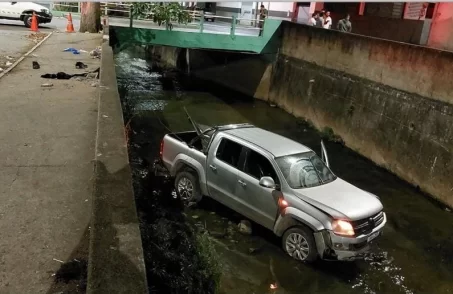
(116, 262)
(389, 101)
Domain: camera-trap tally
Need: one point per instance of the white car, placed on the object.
(23, 11)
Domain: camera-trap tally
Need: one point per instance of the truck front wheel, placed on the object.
(187, 187)
(299, 243)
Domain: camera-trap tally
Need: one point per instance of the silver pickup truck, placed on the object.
(279, 184)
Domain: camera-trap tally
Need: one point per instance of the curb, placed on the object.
(25, 55)
(116, 258)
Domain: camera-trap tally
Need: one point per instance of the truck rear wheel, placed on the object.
(299, 243)
(187, 187)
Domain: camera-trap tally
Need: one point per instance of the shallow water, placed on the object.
(414, 255)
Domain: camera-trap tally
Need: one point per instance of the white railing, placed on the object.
(199, 18)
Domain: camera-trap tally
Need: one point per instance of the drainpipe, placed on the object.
(188, 60)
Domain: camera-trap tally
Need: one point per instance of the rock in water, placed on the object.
(245, 227)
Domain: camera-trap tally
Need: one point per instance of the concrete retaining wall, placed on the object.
(116, 263)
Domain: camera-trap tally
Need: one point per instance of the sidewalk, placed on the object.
(47, 138)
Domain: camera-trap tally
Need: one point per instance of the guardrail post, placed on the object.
(78, 7)
(233, 25)
(202, 22)
(105, 10)
(130, 16)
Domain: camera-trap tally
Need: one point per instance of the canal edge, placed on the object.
(25, 55)
(116, 260)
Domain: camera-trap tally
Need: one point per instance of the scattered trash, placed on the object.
(96, 53)
(58, 260)
(64, 76)
(36, 65)
(245, 227)
(8, 63)
(447, 209)
(1, 69)
(34, 55)
(272, 105)
(73, 50)
(217, 234)
(36, 37)
(47, 85)
(108, 116)
(9, 57)
(83, 51)
(254, 250)
(80, 65)
(195, 217)
(94, 84)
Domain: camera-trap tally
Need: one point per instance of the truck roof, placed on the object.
(273, 143)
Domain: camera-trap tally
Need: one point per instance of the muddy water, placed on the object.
(415, 254)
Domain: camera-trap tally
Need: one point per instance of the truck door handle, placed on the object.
(212, 167)
(243, 184)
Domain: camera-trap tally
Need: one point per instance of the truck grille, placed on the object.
(366, 225)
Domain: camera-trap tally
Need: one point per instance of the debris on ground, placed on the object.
(35, 65)
(94, 84)
(245, 227)
(217, 234)
(36, 37)
(1, 69)
(254, 250)
(9, 57)
(73, 50)
(64, 76)
(447, 209)
(47, 85)
(8, 63)
(96, 53)
(80, 65)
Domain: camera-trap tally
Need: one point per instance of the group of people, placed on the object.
(322, 19)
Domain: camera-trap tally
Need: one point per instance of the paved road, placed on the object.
(47, 145)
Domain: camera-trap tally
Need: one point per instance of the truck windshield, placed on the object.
(304, 170)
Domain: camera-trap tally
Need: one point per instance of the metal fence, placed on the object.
(197, 22)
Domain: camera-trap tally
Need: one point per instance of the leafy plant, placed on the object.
(161, 13)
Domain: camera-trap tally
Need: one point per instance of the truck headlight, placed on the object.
(342, 227)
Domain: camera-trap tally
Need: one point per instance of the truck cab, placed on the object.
(278, 183)
(23, 11)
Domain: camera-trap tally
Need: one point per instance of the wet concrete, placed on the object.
(414, 255)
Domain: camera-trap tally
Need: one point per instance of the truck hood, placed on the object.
(340, 199)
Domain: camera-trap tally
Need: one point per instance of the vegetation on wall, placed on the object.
(161, 13)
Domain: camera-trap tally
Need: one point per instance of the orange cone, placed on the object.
(69, 27)
(34, 23)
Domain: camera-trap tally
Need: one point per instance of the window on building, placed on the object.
(430, 10)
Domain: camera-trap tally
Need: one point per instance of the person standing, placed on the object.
(263, 15)
(314, 19)
(320, 19)
(344, 25)
(327, 24)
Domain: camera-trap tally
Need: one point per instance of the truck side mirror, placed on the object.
(267, 182)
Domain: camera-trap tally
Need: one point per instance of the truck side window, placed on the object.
(229, 152)
(258, 166)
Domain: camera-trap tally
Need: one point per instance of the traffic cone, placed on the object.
(70, 26)
(34, 23)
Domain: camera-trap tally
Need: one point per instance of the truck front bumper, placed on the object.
(331, 246)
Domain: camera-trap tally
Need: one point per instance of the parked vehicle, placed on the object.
(23, 11)
(278, 183)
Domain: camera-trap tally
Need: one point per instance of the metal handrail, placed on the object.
(198, 17)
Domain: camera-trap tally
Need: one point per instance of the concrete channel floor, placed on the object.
(47, 139)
